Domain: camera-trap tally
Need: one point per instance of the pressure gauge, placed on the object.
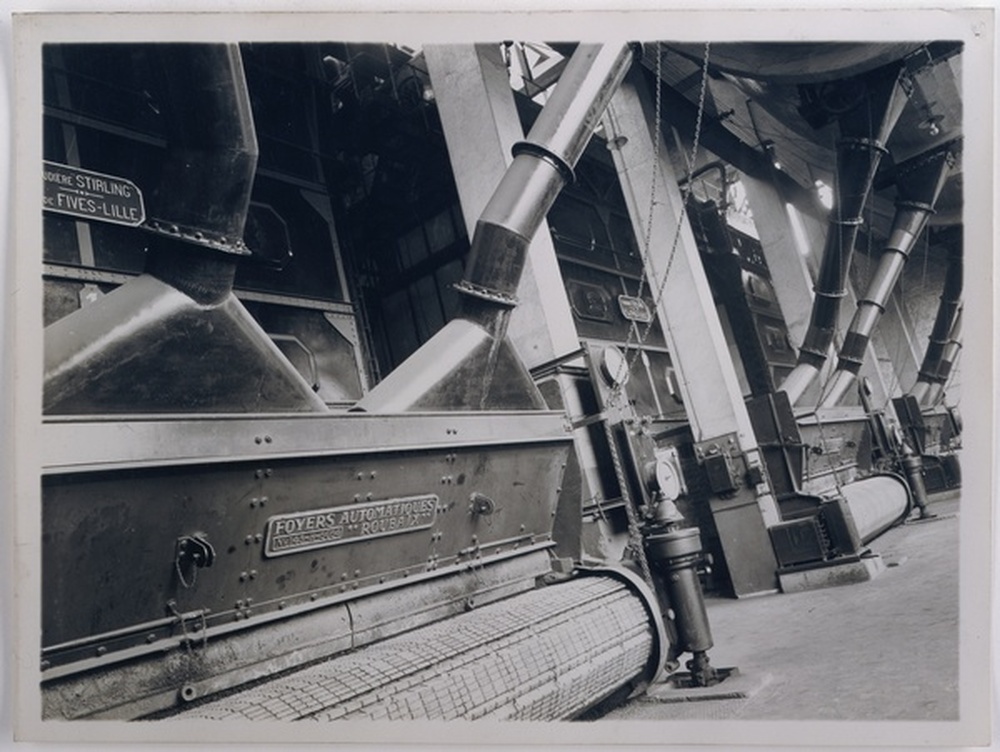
(614, 367)
(668, 474)
(668, 480)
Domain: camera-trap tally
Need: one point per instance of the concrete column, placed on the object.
(707, 376)
(480, 121)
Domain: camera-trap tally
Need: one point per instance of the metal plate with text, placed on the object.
(86, 194)
(634, 309)
(304, 531)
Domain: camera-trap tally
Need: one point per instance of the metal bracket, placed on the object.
(191, 553)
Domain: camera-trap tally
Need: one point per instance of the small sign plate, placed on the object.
(91, 195)
(304, 531)
(634, 309)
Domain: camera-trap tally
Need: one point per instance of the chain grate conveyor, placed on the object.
(547, 654)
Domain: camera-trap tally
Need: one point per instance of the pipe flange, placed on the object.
(674, 544)
(918, 205)
(849, 222)
(197, 236)
(831, 294)
(485, 293)
(564, 168)
(862, 144)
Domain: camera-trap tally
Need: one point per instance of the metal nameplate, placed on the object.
(634, 309)
(320, 528)
(86, 194)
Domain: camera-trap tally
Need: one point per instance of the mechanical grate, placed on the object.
(544, 655)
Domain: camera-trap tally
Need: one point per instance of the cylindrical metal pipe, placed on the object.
(543, 164)
(948, 313)
(913, 466)
(877, 503)
(920, 184)
(675, 553)
(859, 152)
(945, 363)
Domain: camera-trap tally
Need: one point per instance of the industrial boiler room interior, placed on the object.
(416, 373)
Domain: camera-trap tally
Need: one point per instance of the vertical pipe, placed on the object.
(859, 152)
(919, 183)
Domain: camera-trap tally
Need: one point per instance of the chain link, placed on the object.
(635, 540)
(685, 195)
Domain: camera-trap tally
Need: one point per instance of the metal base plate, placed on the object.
(735, 686)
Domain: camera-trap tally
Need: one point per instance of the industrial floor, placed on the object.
(886, 649)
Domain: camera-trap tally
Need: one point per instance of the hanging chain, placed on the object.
(635, 541)
(685, 195)
(647, 235)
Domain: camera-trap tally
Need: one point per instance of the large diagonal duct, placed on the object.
(176, 339)
(949, 353)
(864, 131)
(919, 184)
(942, 334)
(470, 363)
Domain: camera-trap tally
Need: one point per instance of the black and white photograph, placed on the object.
(628, 376)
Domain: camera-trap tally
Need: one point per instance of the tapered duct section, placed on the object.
(864, 131)
(176, 339)
(470, 364)
(548, 654)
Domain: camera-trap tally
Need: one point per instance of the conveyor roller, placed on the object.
(548, 654)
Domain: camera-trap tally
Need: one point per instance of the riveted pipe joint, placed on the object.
(543, 164)
(947, 325)
(936, 382)
(859, 152)
(675, 553)
(920, 183)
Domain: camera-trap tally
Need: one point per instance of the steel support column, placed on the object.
(707, 376)
(480, 121)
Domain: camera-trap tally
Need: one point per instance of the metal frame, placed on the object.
(89, 274)
(88, 444)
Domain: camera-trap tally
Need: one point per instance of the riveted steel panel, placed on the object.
(110, 532)
(143, 441)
